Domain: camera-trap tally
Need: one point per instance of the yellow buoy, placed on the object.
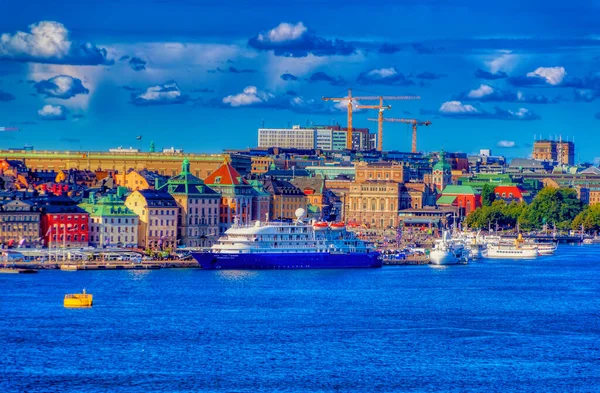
(78, 300)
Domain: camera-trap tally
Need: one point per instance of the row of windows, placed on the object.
(19, 227)
(69, 218)
(114, 220)
(119, 239)
(21, 218)
(161, 233)
(162, 212)
(195, 210)
(61, 237)
(162, 222)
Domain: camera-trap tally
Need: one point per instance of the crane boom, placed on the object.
(414, 123)
(381, 108)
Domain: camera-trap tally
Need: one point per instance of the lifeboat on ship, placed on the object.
(337, 226)
(320, 226)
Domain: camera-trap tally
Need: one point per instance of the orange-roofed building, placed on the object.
(237, 196)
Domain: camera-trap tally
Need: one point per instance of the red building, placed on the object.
(63, 222)
(464, 197)
(512, 193)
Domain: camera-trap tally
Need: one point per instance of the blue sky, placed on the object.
(204, 75)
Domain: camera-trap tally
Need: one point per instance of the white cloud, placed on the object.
(481, 91)
(284, 32)
(47, 39)
(553, 75)
(165, 94)
(383, 72)
(61, 86)
(53, 112)
(457, 107)
(503, 61)
(506, 144)
(90, 76)
(249, 96)
(521, 113)
(48, 42)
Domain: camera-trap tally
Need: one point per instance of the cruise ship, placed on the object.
(298, 245)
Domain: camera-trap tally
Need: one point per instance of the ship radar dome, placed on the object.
(300, 212)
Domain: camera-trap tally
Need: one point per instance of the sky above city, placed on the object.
(205, 75)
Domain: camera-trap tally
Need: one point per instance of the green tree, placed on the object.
(552, 205)
(589, 218)
(488, 196)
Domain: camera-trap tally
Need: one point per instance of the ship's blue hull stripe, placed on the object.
(287, 260)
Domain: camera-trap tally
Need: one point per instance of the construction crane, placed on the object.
(380, 108)
(351, 99)
(414, 123)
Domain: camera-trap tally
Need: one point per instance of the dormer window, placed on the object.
(218, 180)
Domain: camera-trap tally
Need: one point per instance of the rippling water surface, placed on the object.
(487, 326)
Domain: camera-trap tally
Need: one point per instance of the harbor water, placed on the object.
(493, 326)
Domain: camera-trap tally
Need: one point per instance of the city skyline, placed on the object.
(204, 76)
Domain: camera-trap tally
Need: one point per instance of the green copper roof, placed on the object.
(446, 200)
(459, 190)
(187, 184)
(442, 164)
(108, 205)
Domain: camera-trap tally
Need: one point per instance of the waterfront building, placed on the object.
(63, 223)
(237, 196)
(261, 204)
(166, 164)
(157, 212)
(464, 197)
(140, 180)
(112, 224)
(560, 152)
(19, 223)
(286, 198)
(198, 214)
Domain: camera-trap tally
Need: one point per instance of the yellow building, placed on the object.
(286, 198)
(157, 212)
(380, 171)
(166, 164)
(140, 180)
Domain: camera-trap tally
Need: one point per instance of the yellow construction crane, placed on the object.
(351, 104)
(414, 123)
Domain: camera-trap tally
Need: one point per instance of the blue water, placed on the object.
(494, 326)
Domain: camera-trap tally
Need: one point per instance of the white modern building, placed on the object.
(302, 138)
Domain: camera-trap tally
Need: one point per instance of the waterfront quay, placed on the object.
(106, 265)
